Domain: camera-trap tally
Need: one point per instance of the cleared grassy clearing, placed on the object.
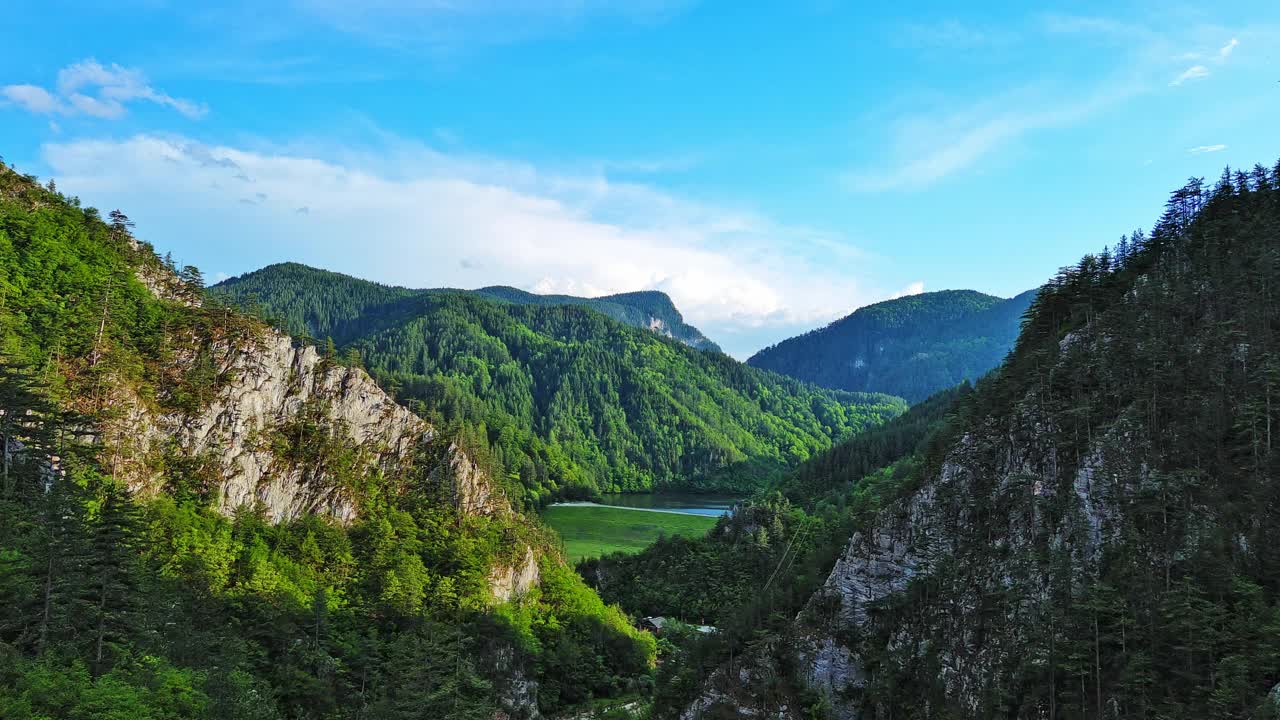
(592, 531)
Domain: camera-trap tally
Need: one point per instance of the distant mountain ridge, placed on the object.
(649, 309)
(911, 346)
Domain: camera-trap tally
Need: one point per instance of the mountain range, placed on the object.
(648, 309)
(203, 515)
(566, 398)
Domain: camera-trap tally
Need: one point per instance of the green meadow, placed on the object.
(592, 530)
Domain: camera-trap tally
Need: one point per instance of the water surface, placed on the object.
(685, 503)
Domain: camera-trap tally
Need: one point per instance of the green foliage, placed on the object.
(587, 650)
(349, 304)
(637, 309)
(159, 606)
(149, 689)
(1112, 538)
(1104, 539)
(566, 399)
(768, 559)
(791, 534)
(913, 346)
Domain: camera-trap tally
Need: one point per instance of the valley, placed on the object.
(565, 400)
(176, 469)
(299, 494)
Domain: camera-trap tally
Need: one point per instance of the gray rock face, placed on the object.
(161, 282)
(981, 510)
(271, 383)
(516, 693)
(743, 691)
(876, 564)
(470, 490)
(974, 526)
(508, 582)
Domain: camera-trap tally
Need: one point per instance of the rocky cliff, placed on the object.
(290, 432)
(1094, 534)
(271, 386)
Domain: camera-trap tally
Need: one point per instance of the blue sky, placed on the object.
(772, 166)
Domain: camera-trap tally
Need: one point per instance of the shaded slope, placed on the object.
(1096, 533)
(911, 346)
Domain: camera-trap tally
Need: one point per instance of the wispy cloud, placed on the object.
(31, 98)
(90, 88)
(426, 218)
(1195, 72)
(1201, 149)
(932, 146)
(948, 137)
(1199, 71)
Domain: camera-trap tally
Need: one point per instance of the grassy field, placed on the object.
(592, 531)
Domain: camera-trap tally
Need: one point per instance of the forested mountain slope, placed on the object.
(570, 400)
(825, 496)
(320, 303)
(201, 518)
(912, 347)
(1097, 533)
(767, 559)
(649, 309)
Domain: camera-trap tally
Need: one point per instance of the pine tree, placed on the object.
(112, 571)
(121, 225)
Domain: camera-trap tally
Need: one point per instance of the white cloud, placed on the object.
(31, 98)
(935, 160)
(1200, 149)
(410, 215)
(1195, 72)
(90, 88)
(914, 288)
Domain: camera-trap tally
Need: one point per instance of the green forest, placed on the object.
(142, 605)
(768, 558)
(1148, 370)
(568, 400)
(912, 346)
(1087, 532)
